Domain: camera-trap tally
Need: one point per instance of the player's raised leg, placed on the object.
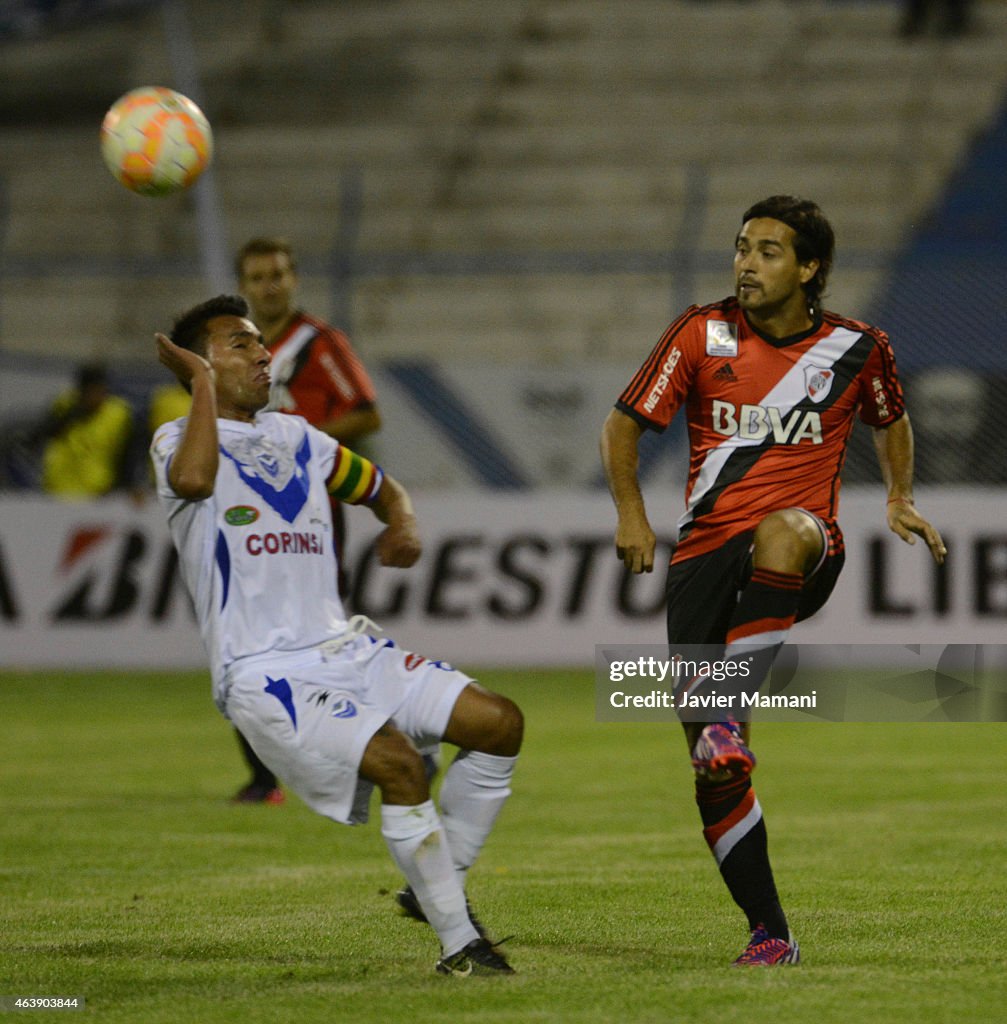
(787, 547)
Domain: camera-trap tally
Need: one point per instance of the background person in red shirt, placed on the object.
(317, 375)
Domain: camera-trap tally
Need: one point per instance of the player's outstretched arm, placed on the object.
(398, 545)
(635, 541)
(193, 470)
(894, 447)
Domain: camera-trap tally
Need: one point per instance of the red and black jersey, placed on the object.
(316, 373)
(768, 419)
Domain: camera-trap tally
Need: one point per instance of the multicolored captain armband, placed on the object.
(354, 479)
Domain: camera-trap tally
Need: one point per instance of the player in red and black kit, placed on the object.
(770, 384)
(317, 375)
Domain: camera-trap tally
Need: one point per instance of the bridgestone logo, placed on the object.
(662, 382)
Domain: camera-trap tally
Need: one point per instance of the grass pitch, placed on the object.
(128, 879)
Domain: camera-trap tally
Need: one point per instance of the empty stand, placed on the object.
(585, 161)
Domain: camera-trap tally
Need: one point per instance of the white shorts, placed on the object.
(310, 716)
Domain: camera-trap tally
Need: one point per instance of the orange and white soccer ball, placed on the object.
(156, 141)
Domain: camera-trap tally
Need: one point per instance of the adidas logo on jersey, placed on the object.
(724, 373)
(757, 422)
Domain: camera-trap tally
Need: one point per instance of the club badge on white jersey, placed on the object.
(274, 471)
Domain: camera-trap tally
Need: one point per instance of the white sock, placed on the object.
(419, 847)
(474, 790)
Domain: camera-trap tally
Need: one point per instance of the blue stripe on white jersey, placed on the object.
(257, 556)
(224, 565)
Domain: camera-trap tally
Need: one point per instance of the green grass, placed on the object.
(127, 878)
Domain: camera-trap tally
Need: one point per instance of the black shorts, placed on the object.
(703, 591)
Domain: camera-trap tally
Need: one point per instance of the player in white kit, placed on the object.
(329, 708)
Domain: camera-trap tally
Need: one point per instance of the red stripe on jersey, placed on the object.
(645, 378)
(772, 433)
(888, 376)
(326, 379)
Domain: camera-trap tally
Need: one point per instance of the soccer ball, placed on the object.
(156, 141)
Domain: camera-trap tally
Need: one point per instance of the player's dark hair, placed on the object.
(265, 245)
(815, 239)
(190, 328)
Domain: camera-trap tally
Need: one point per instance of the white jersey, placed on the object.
(257, 555)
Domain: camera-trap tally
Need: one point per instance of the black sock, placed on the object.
(736, 834)
(261, 775)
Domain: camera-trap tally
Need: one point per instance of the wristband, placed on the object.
(905, 501)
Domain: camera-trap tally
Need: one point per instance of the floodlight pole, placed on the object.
(214, 252)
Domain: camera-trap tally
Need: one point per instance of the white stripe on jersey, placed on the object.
(788, 391)
(282, 368)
